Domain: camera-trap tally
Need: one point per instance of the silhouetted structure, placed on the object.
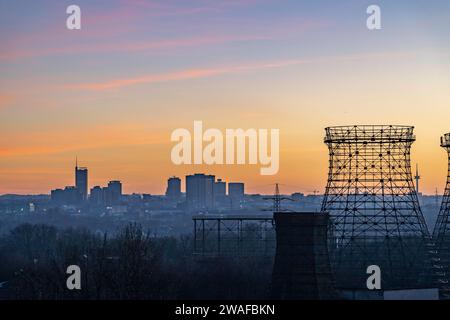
(220, 191)
(81, 181)
(302, 267)
(96, 196)
(200, 191)
(376, 216)
(114, 191)
(173, 190)
(233, 235)
(67, 196)
(277, 198)
(110, 195)
(441, 233)
(417, 178)
(73, 195)
(236, 194)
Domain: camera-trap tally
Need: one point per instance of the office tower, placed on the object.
(370, 196)
(220, 191)
(106, 194)
(236, 194)
(96, 196)
(57, 195)
(81, 181)
(66, 196)
(114, 192)
(173, 190)
(200, 191)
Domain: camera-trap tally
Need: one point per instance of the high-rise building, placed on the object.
(200, 191)
(114, 191)
(173, 190)
(68, 196)
(96, 195)
(81, 181)
(220, 191)
(110, 195)
(236, 194)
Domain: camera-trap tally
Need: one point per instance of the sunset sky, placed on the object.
(113, 92)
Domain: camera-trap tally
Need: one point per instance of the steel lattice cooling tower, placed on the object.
(370, 196)
(442, 228)
(441, 233)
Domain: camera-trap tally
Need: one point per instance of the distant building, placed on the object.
(200, 191)
(107, 200)
(81, 181)
(110, 195)
(115, 191)
(236, 190)
(68, 195)
(173, 190)
(297, 196)
(220, 191)
(96, 196)
(236, 194)
(146, 197)
(220, 188)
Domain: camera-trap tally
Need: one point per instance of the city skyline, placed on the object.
(113, 91)
(169, 186)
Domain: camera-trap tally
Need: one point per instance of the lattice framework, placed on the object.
(370, 195)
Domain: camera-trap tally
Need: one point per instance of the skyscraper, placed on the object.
(81, 181)
(96, 196)
(68, 196)
(173, 190)
(236, 194)
(200, 191)
(220, 191)
(114, 191)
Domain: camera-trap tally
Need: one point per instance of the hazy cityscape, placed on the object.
(104, 208)
(224, 157)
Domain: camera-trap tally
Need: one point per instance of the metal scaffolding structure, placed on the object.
(371, 199)
(441, 232)
(234, 235)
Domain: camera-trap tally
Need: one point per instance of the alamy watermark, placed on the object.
(374, 280)
(374, 20)
(73, 21)
(236, 146)
(73, 282)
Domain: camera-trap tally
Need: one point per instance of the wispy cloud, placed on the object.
(216, 71)
(111, 31)
(130, 47)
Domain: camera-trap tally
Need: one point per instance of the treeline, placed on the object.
(131, 264)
